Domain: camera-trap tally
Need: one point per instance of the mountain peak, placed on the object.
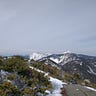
(36, 56)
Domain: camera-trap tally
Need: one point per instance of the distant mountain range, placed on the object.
(84, 65)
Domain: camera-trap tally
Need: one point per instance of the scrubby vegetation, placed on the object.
(8, 89)
(71, 78)
(74, 78)
(17, 79)
(52, 70)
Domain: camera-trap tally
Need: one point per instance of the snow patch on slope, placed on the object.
(37, 56)
(56, 84)
(63, 59)
(90, 88)
(91, 70)
(57, 60)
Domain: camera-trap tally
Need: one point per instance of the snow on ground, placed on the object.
(57, 60)
(37, 56)
(56, 84)
(38, 70)
(91, 70)
(90, 88)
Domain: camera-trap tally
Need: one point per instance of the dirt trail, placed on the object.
(78, 90)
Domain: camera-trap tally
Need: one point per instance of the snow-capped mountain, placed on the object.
(60, 59)
(63, 58)
(84, 65)
(57, 58)
(37, 56)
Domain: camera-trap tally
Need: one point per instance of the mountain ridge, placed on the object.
(84, 65)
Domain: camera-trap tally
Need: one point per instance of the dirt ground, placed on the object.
(78, 90)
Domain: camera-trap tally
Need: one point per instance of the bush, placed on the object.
(7, 89)
(15, 64)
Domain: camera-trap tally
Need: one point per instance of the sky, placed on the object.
(51, 26)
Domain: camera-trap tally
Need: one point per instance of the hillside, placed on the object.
(17, 79)
(83, 65)
(46, 76)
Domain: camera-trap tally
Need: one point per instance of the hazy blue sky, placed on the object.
(48, 26)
